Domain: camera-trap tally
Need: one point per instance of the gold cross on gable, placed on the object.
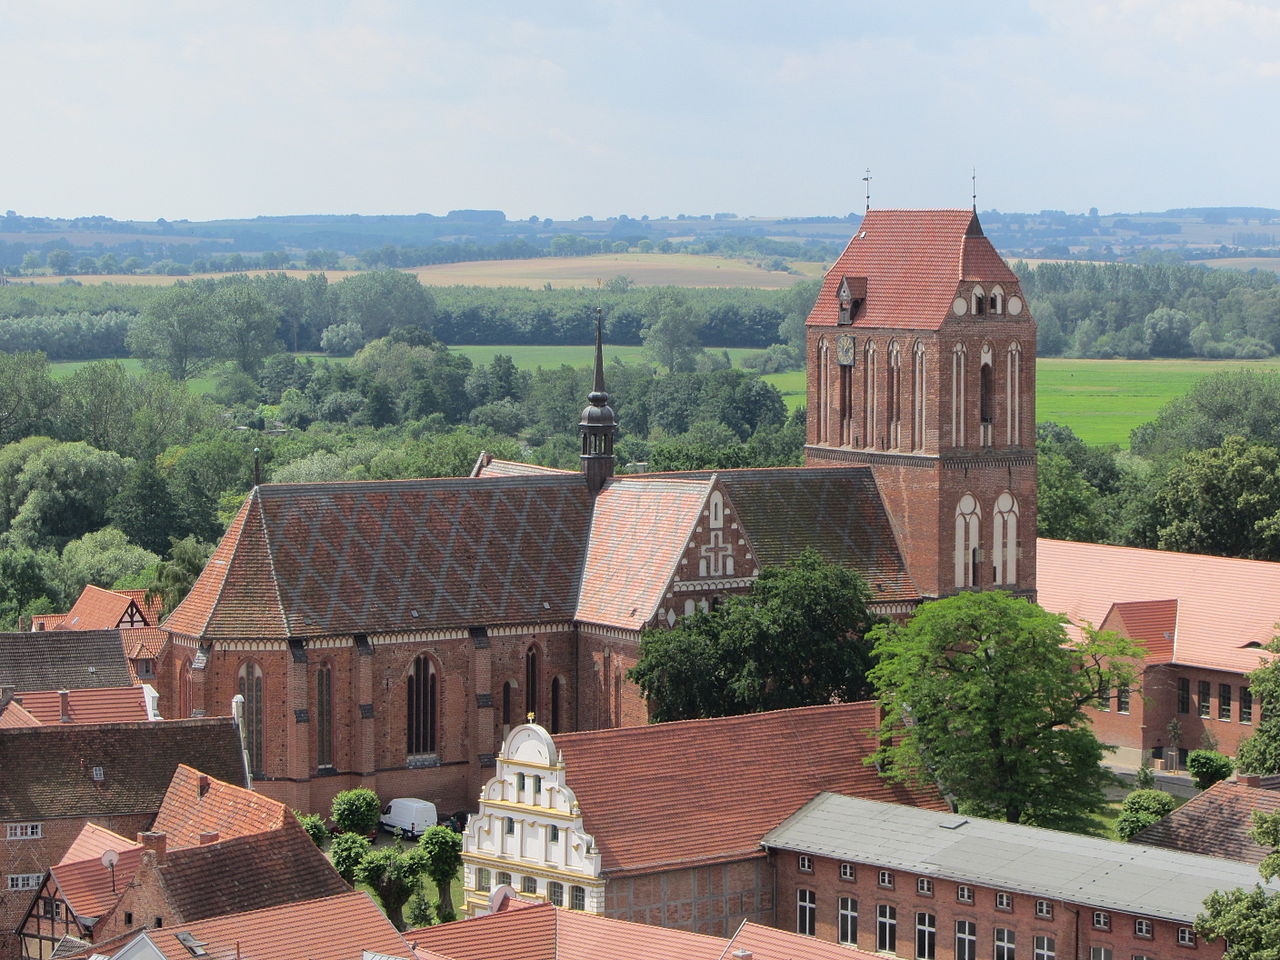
(529, 716)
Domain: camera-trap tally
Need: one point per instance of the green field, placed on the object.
(529, 357)
(1101, 400)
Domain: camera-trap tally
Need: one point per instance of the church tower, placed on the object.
(598, 426)
(921, 358)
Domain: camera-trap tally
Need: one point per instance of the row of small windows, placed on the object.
(1004, 939)
(577, 899)
(1204, 700)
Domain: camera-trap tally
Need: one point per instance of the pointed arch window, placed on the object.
(967, 552)
(893, 388)
(979, 302)
(423, 705)
(997, 300)
(532, 661)
(958, 370)
(1014, 390)
(324, 715)
(822, 387)
(184, 689)
(250, 686)
(1004, 539)
(918, 393)
(869, 396)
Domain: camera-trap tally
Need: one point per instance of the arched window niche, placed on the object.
(423, 706)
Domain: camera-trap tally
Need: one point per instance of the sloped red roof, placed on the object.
(1152, 623)
(150, 609)
(1215, 823)
(96, 609)
(1226, 608)
(14, 716)
(513, 468)
(100, 705)
(143, 642)
(913, 262)
(92, 841)
(314, 558)
(726, 782)
(769, 943)
(639, 530)
(339, 927)
(46, 621)
(90, 887)
(226, 809)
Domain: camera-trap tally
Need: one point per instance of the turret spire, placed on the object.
(598, 423)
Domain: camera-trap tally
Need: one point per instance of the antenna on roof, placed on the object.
(867, 181)
(975, 189)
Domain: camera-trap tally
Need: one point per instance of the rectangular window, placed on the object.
(926, 936)
(504, 879)
(964, 894)
(1122, 699)
(848, 925)
(555, 893)
(1203, 697)
(847, 871)
(806, 863)
(511, 826)
(24, 831)
(24, 881)
(529, 885)
(1186, 937)
(537, 786)
(886, 879)
(966, 940)
(1100, 953)
(577, 898)
(1246, 705)
(886, 928)
(1046, 948)
(1224, 701)
(1184, 696)
(806, 912)
(1104, 698)
(1044, 909)
(1101, 920)
(553, 834)
(519, 784)
(1004, 901)
(1004, 944)
(924, 887)
(483, 879)
(1142, 928)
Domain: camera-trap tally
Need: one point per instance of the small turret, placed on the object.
(598, 425)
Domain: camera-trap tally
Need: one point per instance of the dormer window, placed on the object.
(851, 292)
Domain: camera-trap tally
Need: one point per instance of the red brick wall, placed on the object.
(711, 900)
(1074, 936)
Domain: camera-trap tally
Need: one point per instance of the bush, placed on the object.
(347, 851)
(1207, 767)
(418, 913)
(1145, 779)
(342, 339)
(1140, 809)
(314, 825)
(356, 811)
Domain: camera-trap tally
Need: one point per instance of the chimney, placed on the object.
(1249, 780)
(64, 701)
(202, 785)
(7, 691)
(208, 836)
(741, 954)
(154, 842)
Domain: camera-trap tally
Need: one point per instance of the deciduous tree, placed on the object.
(175, 332)
(1249, 920)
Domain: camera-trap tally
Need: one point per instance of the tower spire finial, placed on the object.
(975, 189)
(598, 384)
(867, 181)
(598, 423)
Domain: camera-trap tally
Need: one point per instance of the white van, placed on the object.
(409, 816)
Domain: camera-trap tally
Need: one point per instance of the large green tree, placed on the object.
(175, 332)
(382, 300)
(1249, 920)
(670, 330)
(244, 325)
(175, 577)
(983, 694)
(62, 493)
(395, 874)
(27, 394)
(442, 849)
(799, 638)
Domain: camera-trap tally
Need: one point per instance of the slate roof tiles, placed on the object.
(63, 660)
(751, 772)
(1215, 823)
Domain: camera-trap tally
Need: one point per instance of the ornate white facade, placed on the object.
(528, 832)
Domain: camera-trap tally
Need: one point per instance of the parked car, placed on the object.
(408, 816)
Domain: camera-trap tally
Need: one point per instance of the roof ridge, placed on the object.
(1163, 553)
(271, 565)
(735, 718)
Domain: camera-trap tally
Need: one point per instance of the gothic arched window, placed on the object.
(184, 689)
(869, 396)
(1014, 389)
(958, 412)
(894, 391)
(249, 684)
(918, 393)
(1004, 539)
(968, 522)
(531, 666)
(979, 302)
(822, 388)
(997, 300)
(324, 715)
(423, 705)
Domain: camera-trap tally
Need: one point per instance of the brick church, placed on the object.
(387, 634)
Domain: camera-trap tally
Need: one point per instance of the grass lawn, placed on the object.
(531, 357)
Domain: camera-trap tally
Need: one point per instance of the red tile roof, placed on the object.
(1153, 623)
(639, 530)
(726, 782)
(1215, 823)
(143, 642)
(13, 716)
(92, 841)
(226, 809)
(340, 927)
(97, 609)
(46, 621)
(1226, 608)
(512, 468)
(150, 609)
(913, 262)
(101, 705)
(768, 943)
(90, 887)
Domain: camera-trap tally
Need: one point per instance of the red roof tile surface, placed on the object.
(913, 262)
(340, 927)
(768, 943)
(93, 841)
(224, 808)
(97, 609)
(512, 468)
(1215, 823)
(1153, 623)
(14, 716)
(46, 621)
(726, 782)
(90, 887)
(639, 531)
(101, 705)
(1226, 608)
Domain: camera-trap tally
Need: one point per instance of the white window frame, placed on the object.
(577, 898)
(1101, 920)
(1004, 901)
(555, 892)
(924, 886)
(805, 863)
(886, 927)
(964, 893)
(1005, 943)
(1045, 948)
(968, 936)
(1044, 909)
(24, 881)
(848, 872)
(1143, 928)
(884, 879)
(1100, 953)
(847, 921)
(24, 831)
(806, 911)
(1186, 937)
(926, 929)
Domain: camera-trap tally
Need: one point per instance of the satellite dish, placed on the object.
(110, 858)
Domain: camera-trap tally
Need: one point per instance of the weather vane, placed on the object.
(975, 189)
(867, 181)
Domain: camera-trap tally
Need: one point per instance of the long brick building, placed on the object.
(390, 633)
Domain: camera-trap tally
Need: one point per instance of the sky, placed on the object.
(139, 109)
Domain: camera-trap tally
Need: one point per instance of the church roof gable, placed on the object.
(913, 262)
(97, 609)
